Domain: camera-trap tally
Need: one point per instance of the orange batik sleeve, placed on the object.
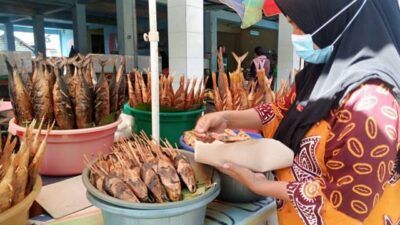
(345, 171)
(271, 114)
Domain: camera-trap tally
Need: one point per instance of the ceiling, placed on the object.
(59, 13)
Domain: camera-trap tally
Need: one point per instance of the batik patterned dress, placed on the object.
(345, 171)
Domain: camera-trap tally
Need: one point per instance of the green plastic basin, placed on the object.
(172, 124)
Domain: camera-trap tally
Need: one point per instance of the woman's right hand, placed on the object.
(212, 123)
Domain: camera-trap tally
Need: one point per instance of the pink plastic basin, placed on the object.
(66, 148)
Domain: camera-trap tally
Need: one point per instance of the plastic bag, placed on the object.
(253, 10)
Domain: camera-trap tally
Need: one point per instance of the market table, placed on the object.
(218, 213)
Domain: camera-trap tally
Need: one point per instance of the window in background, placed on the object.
(3, 42)
(58, 41)
(24, 40)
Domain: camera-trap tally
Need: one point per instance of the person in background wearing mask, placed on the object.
(341, 118)
(260, 61)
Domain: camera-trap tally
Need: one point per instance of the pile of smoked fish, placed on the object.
(67, 91)
(189, 95)
(140, 170)
(19, 168)
(232, 93)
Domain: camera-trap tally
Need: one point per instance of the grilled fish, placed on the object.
(84, 100)
(136, 184)
(20, 98)
(180, 95)
(87, 72)
(138, 90)
(63, 108)
(27, 80)
(131, 93)
(190, 96)
(49, 75)
(102, 98)
(153, 183)
(115, 187)
(183, 168)
(121, 85)
(113, 91)
(42, 102)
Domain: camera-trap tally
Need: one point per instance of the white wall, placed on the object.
(287, 58)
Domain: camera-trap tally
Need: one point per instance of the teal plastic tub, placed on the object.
(186, 212)
(172, 124)
(193, 214)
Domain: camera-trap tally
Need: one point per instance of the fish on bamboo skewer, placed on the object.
(6, 155)
(251, 97)
(259, 96)
(92, 73)
(121, 94)
(22, 164)
(42, 102)
(217, 96)
(165, 98)
(182, 166)
(201, 97)
(180, 95)
(27, 79)
(190, 95)
(239, 60)
(227, 96)
(36, 142)
(6, 189)
(196, 99)
(121, 84)
(21, 99)
(269, 93)
(113, 90)
(63, 108)
(132, 173)
(101, 97)
(131, 92)
(113, 185)
(236, 97)
(69, 78)
(144, 89)
(49, 66)
(87, 72)
(166, 170)
(170, 89)
(150, 177)
(34, 165)
(84, 100)
(138, 89)
(149, 83)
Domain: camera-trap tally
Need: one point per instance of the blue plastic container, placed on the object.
(232, 190)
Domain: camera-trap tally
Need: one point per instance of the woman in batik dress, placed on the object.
(341, 117)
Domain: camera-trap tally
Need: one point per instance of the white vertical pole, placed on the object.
(153, 38)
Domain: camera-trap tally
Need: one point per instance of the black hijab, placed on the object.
(369, 49)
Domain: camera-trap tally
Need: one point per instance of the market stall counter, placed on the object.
(218, 212)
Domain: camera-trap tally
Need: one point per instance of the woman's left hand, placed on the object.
(245, 176)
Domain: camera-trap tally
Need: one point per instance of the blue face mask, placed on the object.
(304, 44)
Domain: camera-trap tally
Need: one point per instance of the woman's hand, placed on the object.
(256, 182)
(219, 121)
(245, 176)
(212, 123)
